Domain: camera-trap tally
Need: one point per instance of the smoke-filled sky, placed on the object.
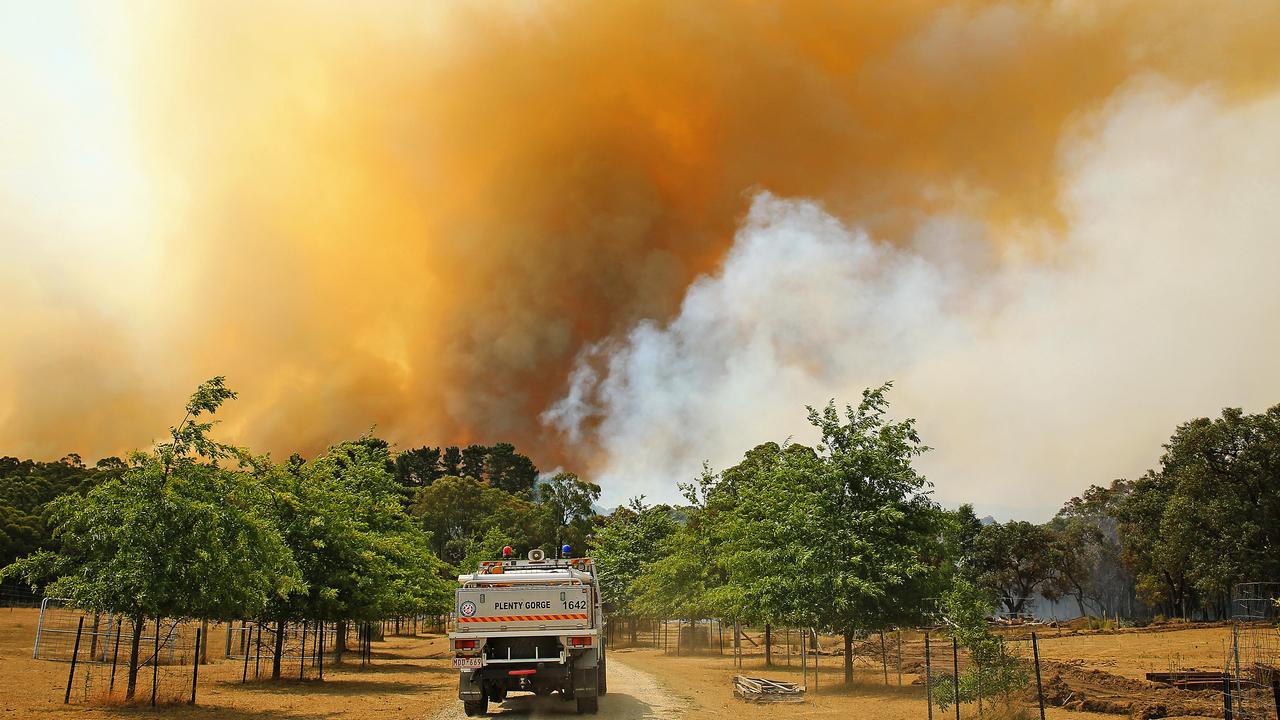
(633, 236)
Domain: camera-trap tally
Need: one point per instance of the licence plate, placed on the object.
(468, 662)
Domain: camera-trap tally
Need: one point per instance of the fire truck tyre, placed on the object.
(602, 677)
(475, 708)
(588, 705)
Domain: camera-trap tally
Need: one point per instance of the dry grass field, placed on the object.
(411, 678)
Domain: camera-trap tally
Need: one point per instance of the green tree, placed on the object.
(174, 536)
(361, 556)
(451, 462)
(1210, 516)
(626, 541)
(994, 671)
(418, 467)
(1091, 564)
(841, 537)
(458, 510)
(473, 461)
(568, 502)
(508, 470)
(1014, 561)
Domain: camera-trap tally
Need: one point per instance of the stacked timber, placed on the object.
(761, 690)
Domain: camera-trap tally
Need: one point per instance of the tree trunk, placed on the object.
(848, 657)
(133, 658)
(768, 645)
(339, 641)
(275, 662)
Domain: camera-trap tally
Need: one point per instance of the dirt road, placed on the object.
(633, 695)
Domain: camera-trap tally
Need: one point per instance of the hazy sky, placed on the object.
(635, 236)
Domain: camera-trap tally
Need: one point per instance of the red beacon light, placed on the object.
(507, 551)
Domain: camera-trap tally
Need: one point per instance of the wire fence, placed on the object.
(1254, 661)
(1013, 680)
(176, 658)
(18, 597)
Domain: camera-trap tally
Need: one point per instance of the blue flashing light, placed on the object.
(565, 551)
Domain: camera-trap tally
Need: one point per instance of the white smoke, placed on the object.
(1030, 378)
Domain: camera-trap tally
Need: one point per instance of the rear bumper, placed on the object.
(577, 674)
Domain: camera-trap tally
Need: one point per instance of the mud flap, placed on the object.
(584, 682)
(469, 689)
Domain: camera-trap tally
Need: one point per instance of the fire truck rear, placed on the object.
(529, 625)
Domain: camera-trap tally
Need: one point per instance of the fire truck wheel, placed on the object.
(476, 708)
(602, 678)
(588, 705)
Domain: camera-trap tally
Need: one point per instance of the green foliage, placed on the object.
(361, 556)
(169, 537)
(498, 465)
(838, 537)
(1014, 561)
(628, 539)
(27, 487)
(1210, 516)
(1087, 541)
(457, 510)
(993, 671)
(566, 501)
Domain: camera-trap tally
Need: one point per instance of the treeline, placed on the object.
(843, 536)
(27, 487)
(1174, 542)
(197, 529)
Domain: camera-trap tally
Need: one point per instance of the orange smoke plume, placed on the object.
(416, 216)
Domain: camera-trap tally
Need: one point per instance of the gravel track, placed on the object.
(633, 695)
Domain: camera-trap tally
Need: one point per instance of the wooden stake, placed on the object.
(155, 663)
(195, 666)
(884, 658)
(1035, 653)
(955, 674)
(75, 654)
(928, 676)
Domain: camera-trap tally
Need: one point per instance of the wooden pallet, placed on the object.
(762, 690)
(1189, 679)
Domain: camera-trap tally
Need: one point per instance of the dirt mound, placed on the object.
(1077, 688)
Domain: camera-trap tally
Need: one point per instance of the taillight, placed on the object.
(464, 644)
(579, 641)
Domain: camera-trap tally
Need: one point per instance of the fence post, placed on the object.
(257, 651)
(195, 666)
(928, 676)
(321, 653)
(155, 663)
(244, 676)
(35, 652)
(302, 653)
(115, 655)
(955, 673)
(815, 661)
(804, 661)
(1226, 696)
(899, 657)
(884, 658)
(1035, 653)
(75, 653)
